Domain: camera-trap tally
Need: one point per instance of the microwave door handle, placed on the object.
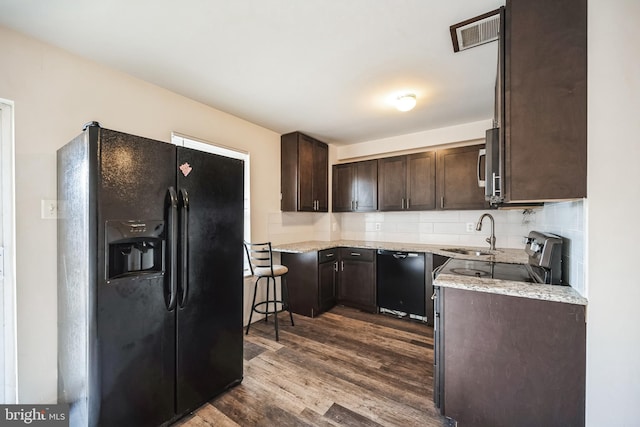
(481, 182)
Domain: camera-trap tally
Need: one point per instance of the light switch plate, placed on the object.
(49, 209)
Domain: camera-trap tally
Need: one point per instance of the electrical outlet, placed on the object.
(49, 209)
(378, 226)
(471, 227)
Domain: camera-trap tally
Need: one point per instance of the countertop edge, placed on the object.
(553, 293)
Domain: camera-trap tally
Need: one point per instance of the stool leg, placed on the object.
(285, 296)
(266, 315)
(253, 304)
(275, 307)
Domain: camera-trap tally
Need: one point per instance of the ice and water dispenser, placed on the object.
(134, 248)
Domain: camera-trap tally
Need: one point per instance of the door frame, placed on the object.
(9, 359)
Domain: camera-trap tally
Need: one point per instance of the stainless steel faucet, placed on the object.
(491, 240)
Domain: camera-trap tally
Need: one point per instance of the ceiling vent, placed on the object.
(475, 31)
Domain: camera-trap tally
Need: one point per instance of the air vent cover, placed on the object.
(475, 31)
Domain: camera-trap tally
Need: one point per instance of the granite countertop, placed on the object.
(511, 256)
(564, 294)
(555, 293)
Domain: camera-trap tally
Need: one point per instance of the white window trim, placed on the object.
(209, 147)
(10, 351)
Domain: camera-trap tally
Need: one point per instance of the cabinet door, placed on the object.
(366, 186)
(357, 279)
(421, 181)
(306, 165)
(327, 273)
(321, 176)
(546, 100)
(343, 179)
(392, 181)
(302, 281)
(457, 181)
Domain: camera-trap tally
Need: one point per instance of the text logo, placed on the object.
(34, 415)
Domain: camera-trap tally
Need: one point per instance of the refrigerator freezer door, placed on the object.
(209, 327)
(135, 330)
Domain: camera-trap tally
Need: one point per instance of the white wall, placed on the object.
(613, 283)
(55, 93)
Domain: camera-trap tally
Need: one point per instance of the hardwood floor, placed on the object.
(343, 368)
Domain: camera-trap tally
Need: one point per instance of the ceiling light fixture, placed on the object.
(406, 102)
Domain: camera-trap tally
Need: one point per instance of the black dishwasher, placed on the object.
(401, 282)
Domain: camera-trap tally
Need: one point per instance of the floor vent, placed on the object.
(475, 31)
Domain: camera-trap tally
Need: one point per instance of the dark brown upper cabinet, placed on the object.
(355, 187)
(407, 182)
(304, 174)
(545, 100)
(458, 178)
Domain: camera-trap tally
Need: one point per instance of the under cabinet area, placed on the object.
(501, 360)
(355, 186)
(304, 174)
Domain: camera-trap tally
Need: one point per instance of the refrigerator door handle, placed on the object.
(173, 248)
(184, 247)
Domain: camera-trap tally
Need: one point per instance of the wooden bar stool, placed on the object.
(260, 258)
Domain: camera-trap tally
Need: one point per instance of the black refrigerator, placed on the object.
(150, 278)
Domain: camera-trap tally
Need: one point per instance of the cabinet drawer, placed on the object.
(356, 254)
(328, 255)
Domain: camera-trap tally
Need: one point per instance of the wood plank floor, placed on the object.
(343, 368)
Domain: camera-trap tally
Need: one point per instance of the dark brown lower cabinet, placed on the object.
(511, 361)
(357, 278)
(311, 281)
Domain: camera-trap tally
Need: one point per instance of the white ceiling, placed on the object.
(325, 67)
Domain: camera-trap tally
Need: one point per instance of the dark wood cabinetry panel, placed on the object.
(343, 177)
(355, 187)
(392, 183)
(327, 283)
(407, 182)
(421, 178)
(304, 174)
(357, 278)
(458, 179)
(320, 185)
(545, 100)
(534, 372)
(366, 186)
(311, 280)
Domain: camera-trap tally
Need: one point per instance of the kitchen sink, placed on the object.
(464, 251)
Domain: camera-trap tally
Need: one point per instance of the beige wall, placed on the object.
(55, 93)
(613, 284)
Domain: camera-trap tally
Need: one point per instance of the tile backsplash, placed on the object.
(446, 228)
(567, 219)
(438, 227)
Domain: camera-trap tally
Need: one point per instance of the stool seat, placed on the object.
(278, 270)
(260, 258)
